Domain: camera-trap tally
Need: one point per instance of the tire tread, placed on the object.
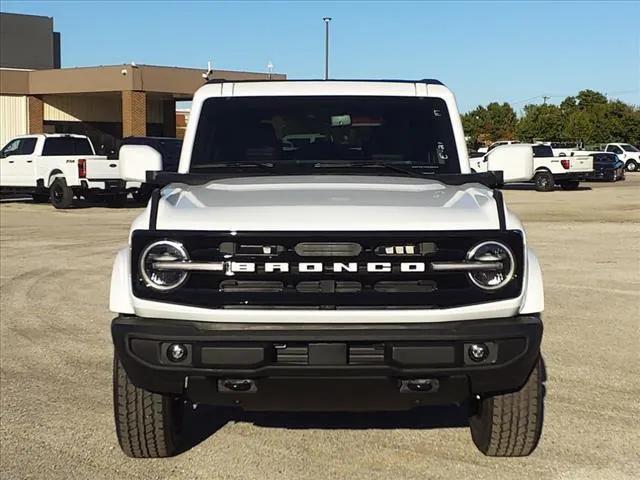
(144, 420)
(510, 425)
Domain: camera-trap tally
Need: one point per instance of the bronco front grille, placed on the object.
(327, 270)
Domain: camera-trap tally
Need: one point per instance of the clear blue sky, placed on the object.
(484, 51)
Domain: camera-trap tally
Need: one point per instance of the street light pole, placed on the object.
(326, 47)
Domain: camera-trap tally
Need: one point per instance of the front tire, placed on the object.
(543, 181)
(569, 184)
(510, 425)
(60, 194)
(632, 166)
(147, 423)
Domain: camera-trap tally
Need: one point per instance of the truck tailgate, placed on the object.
(581, 163)
(101, 168)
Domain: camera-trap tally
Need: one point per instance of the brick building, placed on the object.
(107, 103)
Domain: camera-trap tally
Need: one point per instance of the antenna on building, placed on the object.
(209, 73)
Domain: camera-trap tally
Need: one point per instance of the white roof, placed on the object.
(321, 88)
(50, 135)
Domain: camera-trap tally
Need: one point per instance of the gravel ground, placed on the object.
(55, 384)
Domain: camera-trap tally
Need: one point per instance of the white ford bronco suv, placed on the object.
(367, 270)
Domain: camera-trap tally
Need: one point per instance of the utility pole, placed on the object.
(270, 69)
(544, 99)
(326, 47)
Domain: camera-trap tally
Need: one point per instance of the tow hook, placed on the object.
(420, 385)
(237, 385)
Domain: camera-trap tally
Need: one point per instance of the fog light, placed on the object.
(478, 352)
(176, 352)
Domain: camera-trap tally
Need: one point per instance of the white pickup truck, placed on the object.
(626, 152)
(59, 168)
(369, 271)
(549, 170)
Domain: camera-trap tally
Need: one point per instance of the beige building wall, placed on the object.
(13, 117)
(94, 108)
(88, 108)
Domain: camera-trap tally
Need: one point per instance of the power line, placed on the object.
(546, 97)
(525, 100)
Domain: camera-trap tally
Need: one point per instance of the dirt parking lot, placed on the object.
(55, 384)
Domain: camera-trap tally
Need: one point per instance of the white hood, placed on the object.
(324, 203)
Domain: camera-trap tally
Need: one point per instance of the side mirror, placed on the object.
(137, 160)
(514, 161)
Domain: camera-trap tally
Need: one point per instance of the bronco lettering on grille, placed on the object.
(319, 267)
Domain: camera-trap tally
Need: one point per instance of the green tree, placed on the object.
(590, 98)
(541, 122)
(578, 125)
(588, 116)
(496, 121)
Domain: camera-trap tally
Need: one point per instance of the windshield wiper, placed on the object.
(389, 166)
(266, 166)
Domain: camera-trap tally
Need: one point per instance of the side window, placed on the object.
(27, 146)
(614, 149)
(12, 148)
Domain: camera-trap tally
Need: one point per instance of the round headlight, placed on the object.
(163, 251)
(492, 253)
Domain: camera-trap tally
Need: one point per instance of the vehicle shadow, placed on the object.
(200, 424)
(532, 187)
(203, 422)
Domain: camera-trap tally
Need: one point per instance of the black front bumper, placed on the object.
(328, 367)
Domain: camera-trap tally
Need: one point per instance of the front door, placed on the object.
(24, 163)
(8, 165)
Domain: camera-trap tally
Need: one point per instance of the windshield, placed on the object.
(303, 132)
(629, 148)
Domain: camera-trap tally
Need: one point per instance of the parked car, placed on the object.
(388, 281)
(606, 166)
(59, 168)
(629, 154)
